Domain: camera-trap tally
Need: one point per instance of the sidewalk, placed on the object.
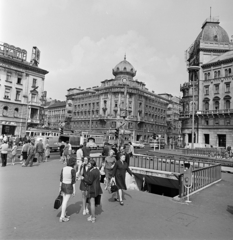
(28, 194)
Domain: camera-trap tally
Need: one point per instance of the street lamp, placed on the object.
(193, 69)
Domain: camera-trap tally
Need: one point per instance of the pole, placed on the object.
(193, 118)
(90, 117)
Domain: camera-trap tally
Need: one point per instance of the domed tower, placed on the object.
(124, 69)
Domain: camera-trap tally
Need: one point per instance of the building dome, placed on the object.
(124, 67)
(211, 32)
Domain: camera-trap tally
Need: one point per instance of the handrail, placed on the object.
(201, 178)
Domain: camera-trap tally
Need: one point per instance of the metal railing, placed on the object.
(201, 178)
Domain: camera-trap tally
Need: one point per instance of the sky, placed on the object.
(81, 41)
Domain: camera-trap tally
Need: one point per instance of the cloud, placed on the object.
(93, 61)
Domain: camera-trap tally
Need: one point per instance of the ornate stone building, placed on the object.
(102, 108)
(21, 90)
(213, 90)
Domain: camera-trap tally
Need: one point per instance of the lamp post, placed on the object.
(193, 69)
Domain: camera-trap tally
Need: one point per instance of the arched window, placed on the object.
(5, 111)
(216, 105)
(186, 107)
(16, 112)
(206, 106)
(228, 104)
(229, 71)
(219, 73)
(125, 69)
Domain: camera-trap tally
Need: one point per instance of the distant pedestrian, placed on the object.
(31, 154)
(66, 153)
(119, 172)
(67, 186)
(94, 188)
(105, 151)
(13, 153)
(24, 152)
(61, 148)
(4, 151)
(129, 152)
(86, 150)
(109, 164)
(47, 151)
(40, 151)
(79, 158)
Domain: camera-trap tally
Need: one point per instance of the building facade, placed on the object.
(173, 134)
(121, 101)
(55, 114)
(21, 90)
(209, 90)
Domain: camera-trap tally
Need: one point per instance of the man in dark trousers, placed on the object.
(40, 150)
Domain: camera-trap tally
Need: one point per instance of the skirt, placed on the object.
(67, 188)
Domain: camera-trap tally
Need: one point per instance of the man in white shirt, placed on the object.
(79, 157)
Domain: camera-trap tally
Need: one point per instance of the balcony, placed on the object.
(215, 112)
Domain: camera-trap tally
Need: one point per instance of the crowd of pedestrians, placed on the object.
(81, 168)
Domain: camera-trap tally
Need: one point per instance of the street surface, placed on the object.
(28, 194)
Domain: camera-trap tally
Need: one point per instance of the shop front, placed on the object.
(8, 128)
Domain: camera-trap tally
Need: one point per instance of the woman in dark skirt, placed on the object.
(119, 172)
(67, 186)
(83, 185)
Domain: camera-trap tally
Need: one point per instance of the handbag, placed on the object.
(113, 188)
(58, 201)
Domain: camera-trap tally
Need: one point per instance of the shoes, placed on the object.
(64, 219)
(66, 216)
(91, 219)
(84, 212)
(121, 203)
(117, 199)
(87, 211)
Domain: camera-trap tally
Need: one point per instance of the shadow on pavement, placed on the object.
(72, 208)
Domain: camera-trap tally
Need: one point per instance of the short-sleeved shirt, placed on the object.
(109, 161)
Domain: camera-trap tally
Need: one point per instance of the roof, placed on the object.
(58, 104)
(124, 67)
(225, 56)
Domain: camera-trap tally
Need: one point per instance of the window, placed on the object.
(18, 95)
(116, 104)
(33, 98)
(7, 94)
(206, 90)
(216, 105)
(5, 111)
(226, 72)
(206, 122)
(227, 104)
(215, 74)
(229, 71)
(206, 76)
(216, 88)
(8, 77)
(219, 73)
(19, 79)
(34, 82)
(16, 112)
(227, 89)
(206, 106)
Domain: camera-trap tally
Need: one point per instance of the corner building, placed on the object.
(99, 109)
(213, 88)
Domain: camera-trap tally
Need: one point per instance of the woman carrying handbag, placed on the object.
(118, 174)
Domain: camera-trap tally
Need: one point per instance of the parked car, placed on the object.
(138, 145)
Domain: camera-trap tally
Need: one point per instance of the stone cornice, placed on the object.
(22, 64)
(206, 65)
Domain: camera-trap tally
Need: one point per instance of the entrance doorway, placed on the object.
(221, 140)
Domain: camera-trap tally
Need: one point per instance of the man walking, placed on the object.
(4, 151)
(31, 154)
(40, 150)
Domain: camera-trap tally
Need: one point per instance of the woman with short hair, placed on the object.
(118, 174)
(67, 186)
